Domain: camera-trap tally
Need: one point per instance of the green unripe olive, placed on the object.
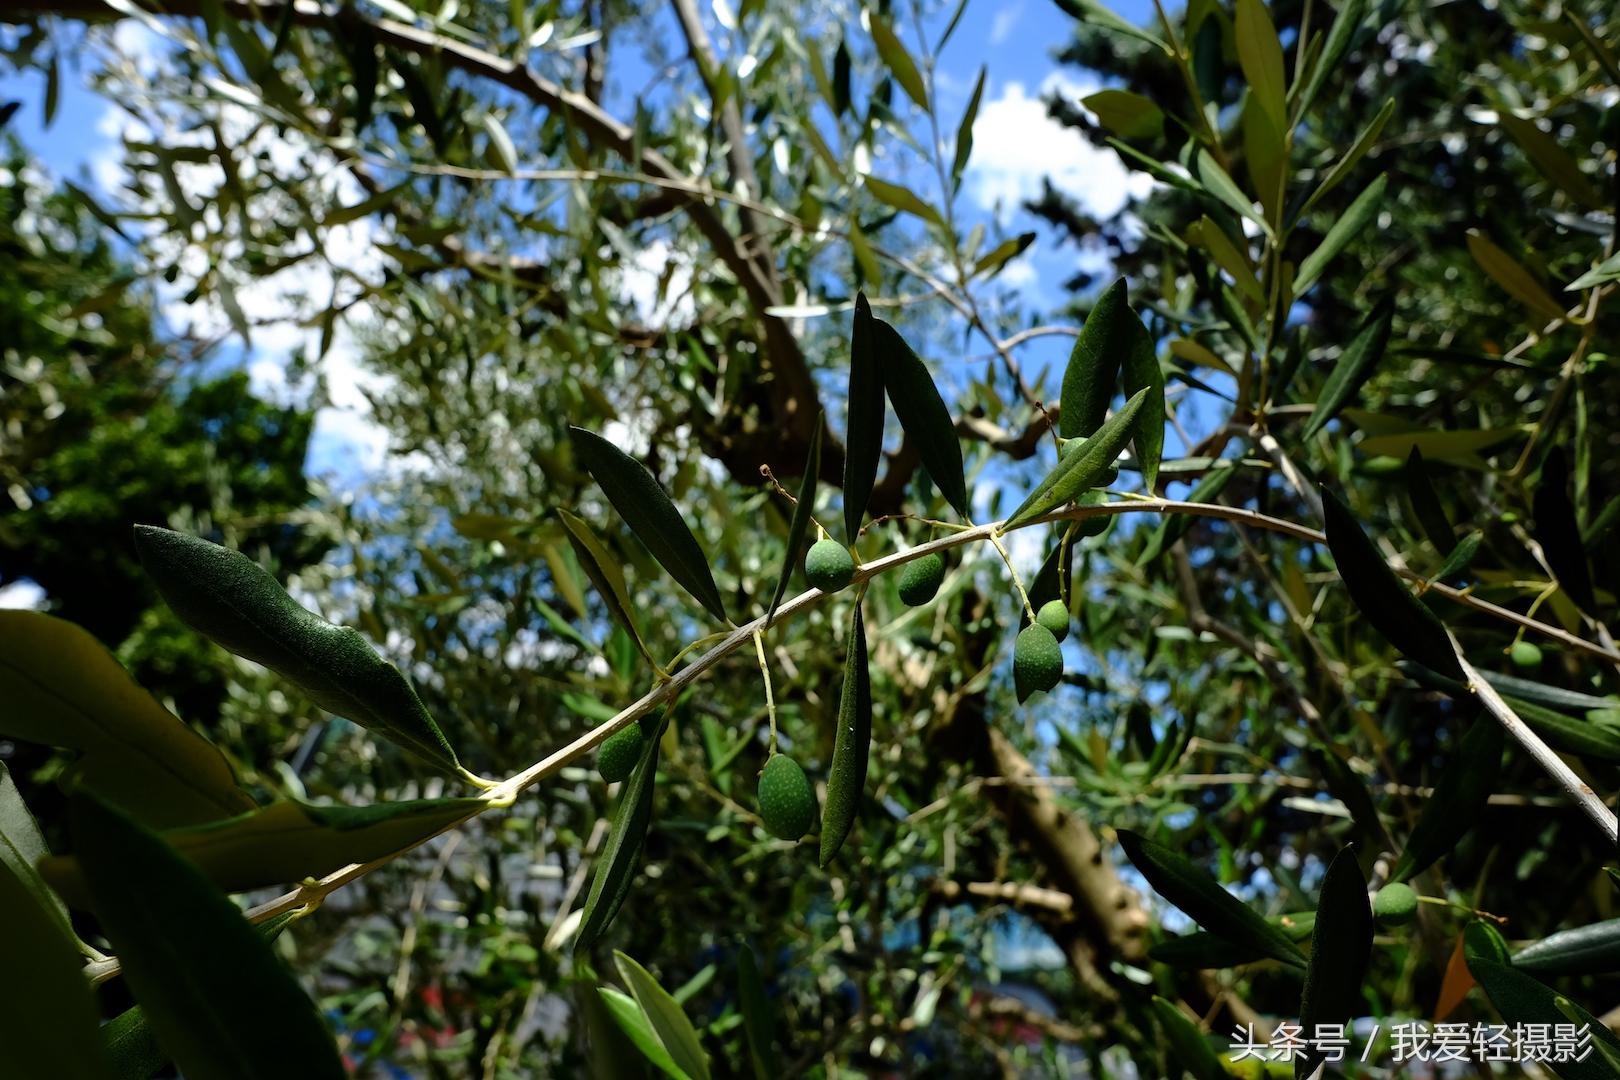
(787, 804)
(920, 578)
(828, 566)
(617, 757)
(1395, 904)
(1525, 654)
(1037, 661)
(1054, 615)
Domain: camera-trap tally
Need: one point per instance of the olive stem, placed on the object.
(770, 699)
(1017, 582)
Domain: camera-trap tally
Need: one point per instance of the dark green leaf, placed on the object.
(1350, 225)
(1127, 115)
(21, 849)
(289, 841)
(1342, 167)
(803, 511)
(898, 61)
(1201, 898)
(1522, 1000)
(632, 1020)
(756, 1011)
(1558, 533)
(1107, 335)
(132, 1050)
(1141, 371)
(922, 413)
(211, 988)
(1341, 945)
(846, 779)
(964, 131)
(1459, 796)
(233, 601)
(1585, 950)
(1557, 697)
(1260, 55)
(1082, 466)
(61, 687)
(1579, 737)
(47, 1016)
(1426, 508)
(1097, 13)
(863, 444)
(604, 571)
(669, 1023)
(1461, 557)
(641, 500)
(1188, 1046)
(616, 865)
(1356, 362)
(1381, 598)
(1338, 42)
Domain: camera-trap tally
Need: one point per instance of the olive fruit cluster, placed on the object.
(617, 756)
(1037, 657)
(1395, 904)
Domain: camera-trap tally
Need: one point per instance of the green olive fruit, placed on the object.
(828, 567)
(1395, 904)
(1054, 615)
(1037, 661)
(787, 804)
(1525, 654)
(920, 578)
(617, 756)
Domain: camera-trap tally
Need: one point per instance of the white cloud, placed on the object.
(1015, 144)
(657, 302)
(1001, 27)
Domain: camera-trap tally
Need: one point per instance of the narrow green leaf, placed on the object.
(605, 574)
(212, 990)
(1228, 256)
(1585, 950)
(1341, 945)
(1141, 372)
(922, 413)
(1172, 527)
(1098, 14)
(1260, 55)
(61, 687)
(1558, 533)
(803, 511)
(1381, 598)
(673, 1030)
(846, 780)
(1082, 466)
(132, 1050)
(1201, 898)
(964, 131)
(1583, 738)
(863, 443)
(233, 601)
(1461, 557)
(1356, 363)
(47, 1016)
(898, 61)
(1350, 225)
(1604, 272)
(500, 143)
(1522, 1000)
(22, 847)
(1506, 271)
(630, 1018)
(1345, 25)
(1351, 157)
(1188, 1046)
(1003, 253)
(1204, 950)
(1426, 508)
(646, 507)
(756, 1012)
(1551, 161)
(616, 865)
(1219, 183)
(1459, 795)
(1128, 115)
(1556, 697)
(1089, 380)
(287, 842)
(901, 198)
